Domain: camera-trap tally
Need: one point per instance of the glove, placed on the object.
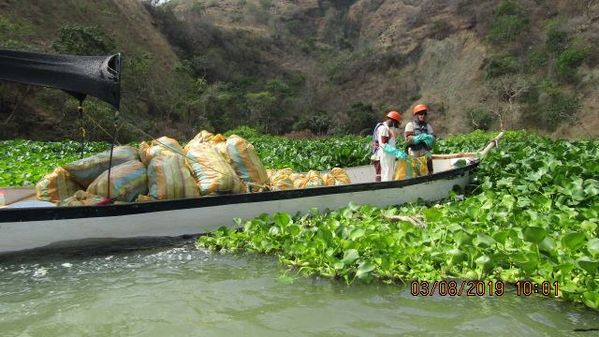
(425, 138)
(419, 138)
(394, 151)
(429, 140)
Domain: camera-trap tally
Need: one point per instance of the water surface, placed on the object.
(183, 291)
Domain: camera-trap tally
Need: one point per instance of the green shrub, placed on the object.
(318, 122)
(245, 132)
(506, 29)
(537, 58)
(561, 106)
(509, 22)
(480, 119)
(499, 65)
(83, 40)
(568, 61)
(557, 39)
(549, 106)
(508, 8)
(14, 35)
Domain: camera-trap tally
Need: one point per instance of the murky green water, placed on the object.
(186, 292)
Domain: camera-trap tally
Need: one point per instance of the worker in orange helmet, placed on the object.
(419, 135)
(384, 152)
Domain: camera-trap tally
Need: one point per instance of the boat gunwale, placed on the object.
(10, 215)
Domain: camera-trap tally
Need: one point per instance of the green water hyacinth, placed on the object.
(531, 214)
(25, 162)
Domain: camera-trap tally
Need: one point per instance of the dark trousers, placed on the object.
(377, 170)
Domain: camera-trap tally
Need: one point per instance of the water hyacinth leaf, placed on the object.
(282, 219)
(432, 214)
(510, 274)
(527, 261)
(356, 234)
(350, 256)
(456, 256)
(325, 234)
(482, 260)
(483, 240)
(508, 201)
(364, 269)
(566, 268)
(547, 245)
(593, 247)
(347, 213)
(353, 206)
(591, 187)
(588, 264)
(473, 211)
(534, 234)
(588, 226)
(462, 238)
(591, 299)
(453, 227)
(543, 202)
(294, 229)
(502, 235)
(274, 230)
(471, 275)
(573, 240)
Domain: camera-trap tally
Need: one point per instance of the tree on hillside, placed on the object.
(262, 107)
(502, 96)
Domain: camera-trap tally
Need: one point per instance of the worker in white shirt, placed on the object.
(384, 152)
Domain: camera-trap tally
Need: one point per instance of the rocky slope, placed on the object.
(486, 64)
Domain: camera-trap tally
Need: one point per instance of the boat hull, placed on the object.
(29, 228)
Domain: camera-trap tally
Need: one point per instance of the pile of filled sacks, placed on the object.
(286, 179)
(162, 169)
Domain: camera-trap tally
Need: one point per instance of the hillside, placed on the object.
(336, 66)
(83, 27)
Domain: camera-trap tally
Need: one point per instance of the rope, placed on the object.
(81, 128)
(91, 119)
(116, 129)
(175, 150)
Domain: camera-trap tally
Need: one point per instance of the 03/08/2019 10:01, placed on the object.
(482, 288)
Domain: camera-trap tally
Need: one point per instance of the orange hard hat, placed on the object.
(394, 115)
(418, 108)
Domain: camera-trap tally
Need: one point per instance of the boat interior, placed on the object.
(25, 196)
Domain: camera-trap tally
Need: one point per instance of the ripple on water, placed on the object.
(183, 291)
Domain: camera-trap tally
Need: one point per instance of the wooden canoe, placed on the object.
(34, 227)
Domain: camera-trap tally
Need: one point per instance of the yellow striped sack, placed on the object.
(56, 186)
(246, 163)
(280, 180)
(81, 198)
(86, 170)
(202, 137)
(127, 181)
(220, 143)
(337, 176)
(169, 177)
(211, 171)
(311, 179)
(410, 168)
(298, 180)
(161, 146)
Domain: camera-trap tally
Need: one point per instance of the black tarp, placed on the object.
(98, 76)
